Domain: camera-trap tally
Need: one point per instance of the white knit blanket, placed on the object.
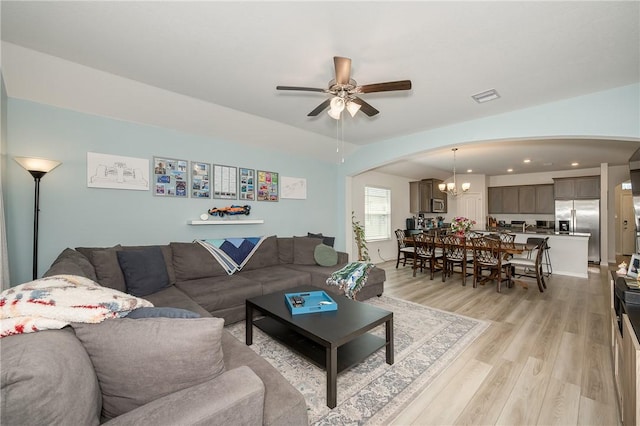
(54, 302)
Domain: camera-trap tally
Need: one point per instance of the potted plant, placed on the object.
(358, 231)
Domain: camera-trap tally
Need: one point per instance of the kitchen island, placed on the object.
(569, 252)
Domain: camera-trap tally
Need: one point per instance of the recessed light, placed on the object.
(469, 170)
(509, 170)
(526, 160)
(575, 164)
(486, 96)
(547, 164)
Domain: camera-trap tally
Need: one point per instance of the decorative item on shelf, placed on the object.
(37, 167)
(230, 210)
(440, 221)
(358, 230)
(451, 188)
(204, 216)
(461, 225)
(622, 268)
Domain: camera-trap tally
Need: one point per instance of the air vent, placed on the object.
(486, 96)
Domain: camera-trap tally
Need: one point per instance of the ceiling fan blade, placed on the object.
(306, 89)
(365, 107)
(343, 69)
(385, 87)
(319, 108)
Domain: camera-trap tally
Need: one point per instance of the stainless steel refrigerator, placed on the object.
(581, 216)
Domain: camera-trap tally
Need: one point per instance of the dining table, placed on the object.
(508, 249)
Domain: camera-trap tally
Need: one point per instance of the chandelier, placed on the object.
(451, 188)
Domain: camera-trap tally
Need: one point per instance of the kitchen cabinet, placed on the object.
(544, 199)
(585, 187)
(422, 192)
(521, 199)
(527, 199)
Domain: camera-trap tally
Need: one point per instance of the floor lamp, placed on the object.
(38, 167)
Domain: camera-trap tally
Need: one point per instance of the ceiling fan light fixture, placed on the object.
(353, 108)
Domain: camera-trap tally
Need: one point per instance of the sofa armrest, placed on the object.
(342, 257)
(234, 397)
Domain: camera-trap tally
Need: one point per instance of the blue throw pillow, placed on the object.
(144, 270)
(145, 312)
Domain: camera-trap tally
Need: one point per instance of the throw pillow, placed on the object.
(330, 241)
(325, 255)
(161, 312)
(108, 271)
(139, 361)
(303, 250)
(144, 270)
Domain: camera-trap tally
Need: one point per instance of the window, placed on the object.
(377, 213)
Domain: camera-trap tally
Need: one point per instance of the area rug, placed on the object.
(426, 341)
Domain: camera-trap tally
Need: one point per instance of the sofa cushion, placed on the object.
(303, 249)
(285, 249)
(72, 262)
(47, 379)
(165, 312)
(175, 298)
(144, 270)
(276, 278)
(105, 262)
(218, 293)
(265, 255)
(191, 261)
(330, 241)
(325, 255)
(138, 361)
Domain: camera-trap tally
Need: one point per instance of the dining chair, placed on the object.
(404, 251)
(426, 254)
(523, 267)
(487, 256)
(455, 254)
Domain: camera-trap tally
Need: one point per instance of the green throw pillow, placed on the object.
(325, 255)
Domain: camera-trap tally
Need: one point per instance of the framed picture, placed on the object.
(117, 172)
(634, 266)
(225, 182)
(247, 178)
(200, 180)
(293, 188)
(267, 186)
(170, 177)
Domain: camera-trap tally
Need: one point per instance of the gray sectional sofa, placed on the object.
(246, 390)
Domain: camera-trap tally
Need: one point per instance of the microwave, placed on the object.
(438, 205)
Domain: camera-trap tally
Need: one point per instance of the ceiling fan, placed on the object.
(345, 91)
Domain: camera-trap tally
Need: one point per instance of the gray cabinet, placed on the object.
(585, 187)
(422, 192)
(503, 199)
(527, 199)
(534, 199)
(544, 199)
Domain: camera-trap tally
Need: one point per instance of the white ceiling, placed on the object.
(233, 54)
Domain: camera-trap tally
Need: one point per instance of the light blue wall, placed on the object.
(74, 215)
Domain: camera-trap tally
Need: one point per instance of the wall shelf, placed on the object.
(226, 222)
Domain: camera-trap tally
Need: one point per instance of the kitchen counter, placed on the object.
(568, 251)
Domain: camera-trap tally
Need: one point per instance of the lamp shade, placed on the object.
(466, 186)
(33, 164)
(353, 108)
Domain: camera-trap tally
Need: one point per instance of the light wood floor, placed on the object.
(545, 358)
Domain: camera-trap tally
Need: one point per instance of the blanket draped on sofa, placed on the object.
(351, 278)
(232, 253)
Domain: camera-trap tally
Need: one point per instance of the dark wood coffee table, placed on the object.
(332, 340)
